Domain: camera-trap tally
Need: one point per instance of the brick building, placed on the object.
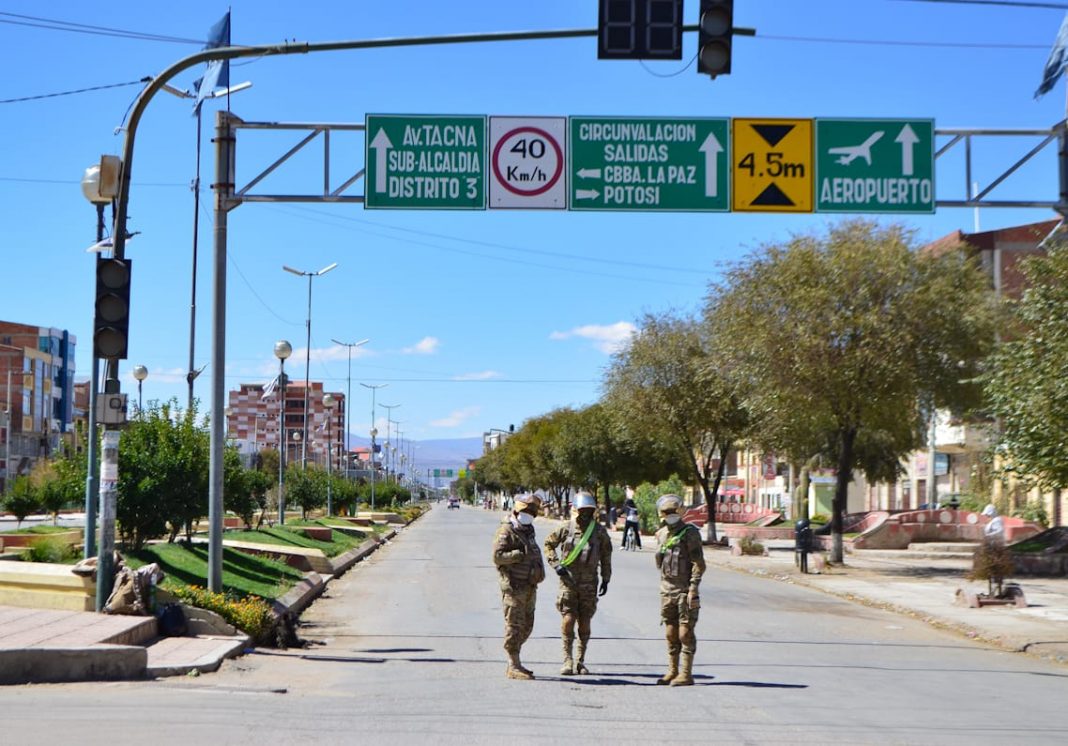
(37, 389)
(253, 421)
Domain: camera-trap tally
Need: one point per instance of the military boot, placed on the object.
(580, 662)
(515, 669)
(673, 656)
(568, 669)
(685, 675)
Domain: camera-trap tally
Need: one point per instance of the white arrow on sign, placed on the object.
(589, 173)
(711, 148)
(908, 139)
(587, 194)
(381, 145)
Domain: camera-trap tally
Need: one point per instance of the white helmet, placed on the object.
(583, 500)
(668, 502)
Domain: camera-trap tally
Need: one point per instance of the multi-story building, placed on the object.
(36, 394)
(256, 411)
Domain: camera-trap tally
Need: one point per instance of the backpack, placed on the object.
(172, 621)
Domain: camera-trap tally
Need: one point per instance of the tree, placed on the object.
(594, 450)
(163, 474)
(1025, 381)
(666, 383)
(306, 487)
(844, 340)
(21, 500)
(238, 485)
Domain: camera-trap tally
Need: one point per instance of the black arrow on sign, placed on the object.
(772, 196)
(773, 133)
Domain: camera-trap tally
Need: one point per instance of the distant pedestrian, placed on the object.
(632, 523)
(585, 547)
(681, 561)
(520, 569)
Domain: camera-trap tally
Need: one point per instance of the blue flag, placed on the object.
(217, 74)
(1058, 60)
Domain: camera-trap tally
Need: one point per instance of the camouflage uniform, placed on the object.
(681, 567)
(520, 569)
(577, 598)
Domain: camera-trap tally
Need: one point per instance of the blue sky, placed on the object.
(476, 319)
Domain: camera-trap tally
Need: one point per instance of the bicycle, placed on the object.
(630, 539)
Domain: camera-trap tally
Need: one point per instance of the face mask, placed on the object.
(525, 519)
(582, 516)
(672, 519)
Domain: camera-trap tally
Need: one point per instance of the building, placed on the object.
(36, 394)
(253, 421)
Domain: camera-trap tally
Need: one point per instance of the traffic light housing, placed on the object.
(714, 37)
(111, 320)
(639, 30)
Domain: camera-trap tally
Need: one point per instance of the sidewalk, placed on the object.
(925, 588)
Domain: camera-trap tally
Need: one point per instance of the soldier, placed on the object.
(520, 569)
(585, 546)
(681, 561)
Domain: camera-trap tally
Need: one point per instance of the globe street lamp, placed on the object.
(282, 350)
(329, 401)
(307, 355)
(140, 372)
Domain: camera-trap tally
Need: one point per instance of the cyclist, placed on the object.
(632, 524)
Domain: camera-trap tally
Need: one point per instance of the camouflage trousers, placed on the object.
(579, 601)
(518, 616)
(680, 620)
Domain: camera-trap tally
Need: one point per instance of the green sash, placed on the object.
(577, 549)
(675, 539)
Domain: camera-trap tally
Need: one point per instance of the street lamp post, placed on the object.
(348, 392)
(91, 190)
(307, 354)
(389, 412)
(140, 372)
(374, 433)
(329, 401)
(282, 350)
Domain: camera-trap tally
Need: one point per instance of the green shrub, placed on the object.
(1033, 510)
(993, 563)
(751, 546)
(819, 518)
(22, 500)
(251, 614)
(49, 550)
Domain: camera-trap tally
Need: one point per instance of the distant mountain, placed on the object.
(444, 453)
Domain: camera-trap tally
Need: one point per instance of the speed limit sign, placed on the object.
(527, 157)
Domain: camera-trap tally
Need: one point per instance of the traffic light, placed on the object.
(111, 321)
(714, 37)
(639, 30)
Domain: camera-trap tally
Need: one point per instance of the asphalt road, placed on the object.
(406, 648)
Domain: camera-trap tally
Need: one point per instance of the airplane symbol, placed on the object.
(850, 154)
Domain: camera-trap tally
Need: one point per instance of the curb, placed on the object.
(62, 665)
(300, 596)
(959, 628)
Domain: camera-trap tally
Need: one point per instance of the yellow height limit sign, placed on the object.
(772, 165)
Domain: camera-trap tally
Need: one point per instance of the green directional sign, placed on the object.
(425, 162)
(648, 163)
(875, 165)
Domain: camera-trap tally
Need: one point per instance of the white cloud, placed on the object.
(607, 338)
(456, 417)
(484, 375)
(425, 346)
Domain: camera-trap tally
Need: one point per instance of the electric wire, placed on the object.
(52, 24)
(70, 93)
